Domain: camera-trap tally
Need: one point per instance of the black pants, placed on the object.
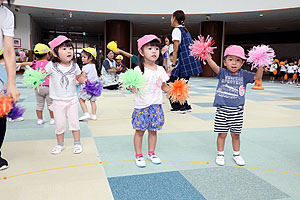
(177, 105)
(112, 87)
(2, 130)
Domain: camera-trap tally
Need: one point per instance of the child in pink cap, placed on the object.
(148, 113)
(62, 89)
(230, 99)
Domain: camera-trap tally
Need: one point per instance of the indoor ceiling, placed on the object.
(236, 23)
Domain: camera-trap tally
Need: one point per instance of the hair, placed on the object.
(159, 61)
(40, 56)
(180, 18)
(9, 2)
(171, 54)
(1, 57)
(67, 43)
(169, 36)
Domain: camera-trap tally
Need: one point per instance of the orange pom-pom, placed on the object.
(5, 105)
(295, 76)
(179, 91)
(275, 71)
(266, 69)
(285, 77)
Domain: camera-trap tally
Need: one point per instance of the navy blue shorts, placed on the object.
(151, 118)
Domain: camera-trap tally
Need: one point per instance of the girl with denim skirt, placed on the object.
(148, 113)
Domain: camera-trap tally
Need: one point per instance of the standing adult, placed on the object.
(109, 72)
(187, 65)
(8, 76)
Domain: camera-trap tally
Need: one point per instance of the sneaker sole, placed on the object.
(3, 167)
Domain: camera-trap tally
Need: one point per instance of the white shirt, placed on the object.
(62, 81)
(6, 24)
(273, 67)
(176, 34)
(152, 93)
(282, 68)
(91, 72)
(290, 69)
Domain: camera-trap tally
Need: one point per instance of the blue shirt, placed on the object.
(231, 88)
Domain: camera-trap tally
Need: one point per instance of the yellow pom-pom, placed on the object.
(112, 46)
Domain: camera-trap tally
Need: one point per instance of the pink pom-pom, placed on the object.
(202, 48)
(261, 55)
(22, 54)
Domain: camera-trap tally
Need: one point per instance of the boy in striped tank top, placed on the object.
(230, 99)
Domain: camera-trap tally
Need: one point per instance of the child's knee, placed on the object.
(222, 135)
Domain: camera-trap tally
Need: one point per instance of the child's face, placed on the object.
(65, 54)
(167, 42)
(150, 53)
(233, 63)
(118, 61)
(85, 59)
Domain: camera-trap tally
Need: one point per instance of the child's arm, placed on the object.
(81, 78)
(165, 87)
(124, 53)
(213, 65)
(23, 64)
(259, 73)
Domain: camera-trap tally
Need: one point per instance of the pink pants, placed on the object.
(63, 109)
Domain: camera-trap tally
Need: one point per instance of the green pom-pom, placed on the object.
(133, 79)
(34, 78)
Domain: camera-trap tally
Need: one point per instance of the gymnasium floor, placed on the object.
(187, 146)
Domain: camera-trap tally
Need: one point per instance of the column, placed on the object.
(216, 30)
(118, 30)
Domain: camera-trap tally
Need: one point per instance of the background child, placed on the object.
(148, 113)
(290, 71)
(119, 65)
(230, 99)
(282, 71)
(42, 53)
(89, 72)
(271, 70)
(63, 75)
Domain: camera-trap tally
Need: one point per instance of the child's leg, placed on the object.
(60, 138)
(39, 114)
(40, 102)
(83, 106)
(94, 107)
(76, 135)
(138, 140)
(236, 142)
(221, 141)
(152, 138)
(51, 114)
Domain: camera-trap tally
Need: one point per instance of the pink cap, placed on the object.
(145, 39)
(57, 41)
(235, 50)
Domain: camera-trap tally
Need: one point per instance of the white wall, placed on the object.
(22, 29)
(162, 7)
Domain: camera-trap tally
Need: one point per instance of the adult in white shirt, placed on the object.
(8, 76)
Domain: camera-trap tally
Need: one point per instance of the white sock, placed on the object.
(236, 153)
(221, 153)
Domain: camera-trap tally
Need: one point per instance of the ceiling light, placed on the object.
(162, 17)
(261, 15)
(70, 14)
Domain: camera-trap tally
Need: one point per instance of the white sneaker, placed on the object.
(57, 149)
(85, 117)
(19, 119)
(52, 121)
(140, 162)
(154, 158)
(41, 121)
(77, 149)
(239, 160)
(220, 160)
(93, 117)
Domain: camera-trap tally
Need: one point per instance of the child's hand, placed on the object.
(132, 89)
